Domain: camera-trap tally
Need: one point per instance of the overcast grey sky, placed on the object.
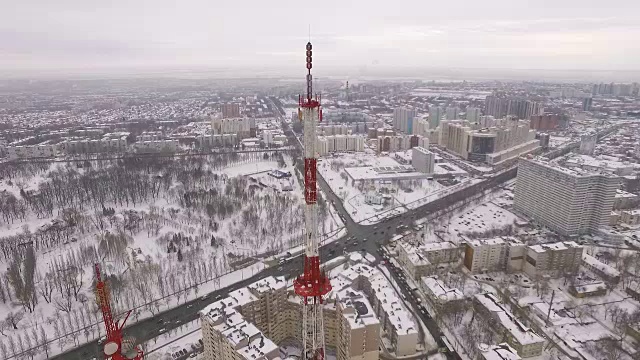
(542, 34)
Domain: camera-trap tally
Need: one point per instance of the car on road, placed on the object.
(193, 355)
(162, 330)
(280, 268)
(355, 243)
(160, 321)
(189, 306)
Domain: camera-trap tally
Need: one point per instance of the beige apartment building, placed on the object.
(421, 260)
(553, 259)
(250, 322)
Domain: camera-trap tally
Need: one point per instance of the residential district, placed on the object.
(466, 220)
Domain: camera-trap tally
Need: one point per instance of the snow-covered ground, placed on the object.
(396, 195)
(176, 230)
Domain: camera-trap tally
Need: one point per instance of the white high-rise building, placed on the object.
(403, 119)
(435, 115)
(423, 160)
(473, 115)
(453, 113)
(569, 201)
(588, 144)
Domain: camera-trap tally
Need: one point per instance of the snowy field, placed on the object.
(395, 196)
(163, 232)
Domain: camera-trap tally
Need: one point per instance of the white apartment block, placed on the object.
(240, 126)
(339, 143)
(497, 254)
(420, 260)
(423, 160)
(569, 201)
(403, 119)
(435, 116)
(31, 151)
(473, 114)
(453, 113)
(220, 140)
(169, 146)
(553, 259)
(524, 340)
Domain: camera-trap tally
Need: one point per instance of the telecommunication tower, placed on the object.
(115, 346)
(313, 284)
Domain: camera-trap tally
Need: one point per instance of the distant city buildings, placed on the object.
(453, 113)
(473, 114)
(403, 118)
(230, 110)
(569, 201)
(545, 122)
(500, 107)
(588, 143)
(435, 115)
(242, 127)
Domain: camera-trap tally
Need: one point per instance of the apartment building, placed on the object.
(423, 160)
(453, 113)
(251, 321)
(420, 260)
(524, 340)
(500, 107)
(435, 116)
(403, 118)
(398, 142)
(569, 201)
(230, 110)
(216, 141)
(503, 253)
(339, 143)
(472, 114)
(169, 146)
(242, 127)
(395, 320)
(438, 294)
(553, 259)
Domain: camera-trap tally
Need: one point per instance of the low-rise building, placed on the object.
(499, 352)
(597, 288)
(524, 340)
(601, 269)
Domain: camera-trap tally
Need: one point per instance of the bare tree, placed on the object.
(13, 318)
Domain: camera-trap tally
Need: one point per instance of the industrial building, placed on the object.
(569, 201)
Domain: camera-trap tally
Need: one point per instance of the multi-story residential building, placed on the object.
(500, 107)
(250, 322)
(397, 142)
(339, 143)
(435, 115)
(230, 110)
(553, 259)
(438, 294)
(473, 114)
(403, 119)
(569, 201)
(220, 140)
(497, 254)
(423, 160)
(588, 143)
(170, 146)
(419, 261)
(524, 340)
(242, 127)
(453, 113)
(345, 116)
(395, 320)
(545, 122)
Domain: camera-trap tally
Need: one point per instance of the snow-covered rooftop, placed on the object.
(523, 334)
(440, 290)
(500, 352)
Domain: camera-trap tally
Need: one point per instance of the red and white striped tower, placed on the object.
(313, 283)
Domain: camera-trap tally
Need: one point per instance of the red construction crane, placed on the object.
(313, 283)
(115, 346)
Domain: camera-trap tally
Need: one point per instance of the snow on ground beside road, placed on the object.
(171, 342)
(399, 193)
